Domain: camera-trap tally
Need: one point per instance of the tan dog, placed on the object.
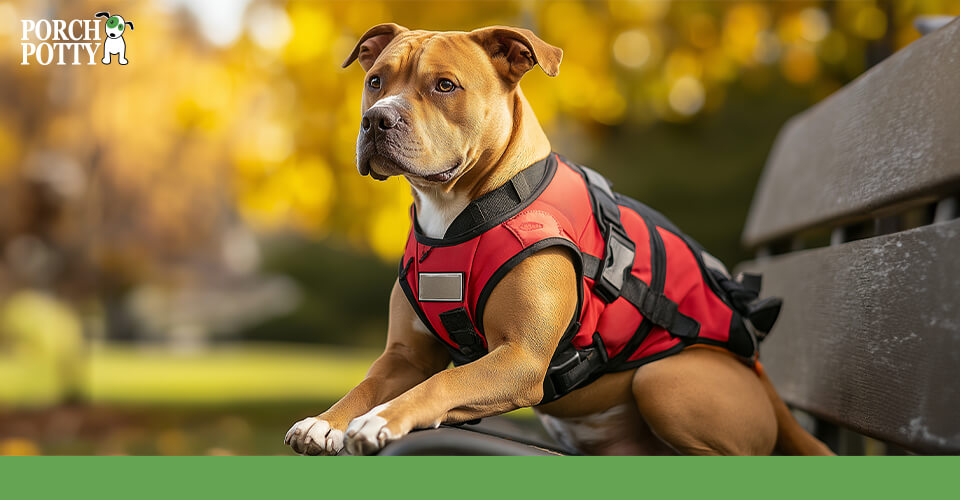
(444, 109)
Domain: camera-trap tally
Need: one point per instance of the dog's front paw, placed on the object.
(313, 436)
(368, 433)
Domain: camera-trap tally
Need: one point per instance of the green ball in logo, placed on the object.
(113, 22)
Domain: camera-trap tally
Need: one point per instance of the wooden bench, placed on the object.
(855, 225)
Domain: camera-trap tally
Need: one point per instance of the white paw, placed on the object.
(368, 433)
(312, 436)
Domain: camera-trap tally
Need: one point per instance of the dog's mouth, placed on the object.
(444, 176)
(384, 163)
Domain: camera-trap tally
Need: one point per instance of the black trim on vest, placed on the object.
(629, 365)
(455, 355)
(619, 251)
(658, 260)
(591, 265)
(565, 345)
(512, 262)
(658, 280)
(649, 213)
(495, 207)
(740, 337)
(571, 368)
(695, 248)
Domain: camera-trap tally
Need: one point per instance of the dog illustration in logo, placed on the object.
(114, 43)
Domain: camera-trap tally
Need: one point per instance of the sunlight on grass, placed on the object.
(226, 375)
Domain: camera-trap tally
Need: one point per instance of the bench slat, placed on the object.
(869, 335)
(888, 137)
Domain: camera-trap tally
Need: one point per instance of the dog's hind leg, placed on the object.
(705, 402)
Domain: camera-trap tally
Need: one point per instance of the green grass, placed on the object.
(227, 375)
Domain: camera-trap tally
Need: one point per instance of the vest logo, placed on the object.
(75, 42)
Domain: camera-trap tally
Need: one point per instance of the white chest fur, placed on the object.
(436, 210)
(589, 430)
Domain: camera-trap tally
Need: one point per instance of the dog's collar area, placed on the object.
(496, 206)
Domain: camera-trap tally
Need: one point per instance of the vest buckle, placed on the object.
(618, 255)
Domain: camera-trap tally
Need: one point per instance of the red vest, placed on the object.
(645, 291)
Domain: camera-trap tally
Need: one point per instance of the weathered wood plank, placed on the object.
(890, 136)
(869, 335)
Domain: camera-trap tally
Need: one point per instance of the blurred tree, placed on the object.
(236, 115)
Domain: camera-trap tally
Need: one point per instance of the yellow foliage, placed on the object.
(702, 30)
(313, 33)
(388, 232)
(264, 125)
(640, 10)
(682, 62)
(18, 447)
(742, 24)
(41, 325)
(799, 64)
(870, 23)
(9, 151)
(633, 48)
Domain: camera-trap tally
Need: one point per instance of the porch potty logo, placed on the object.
(61, 42)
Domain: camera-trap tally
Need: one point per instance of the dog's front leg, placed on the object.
(409, 358)
(508, 378)
(525, 317)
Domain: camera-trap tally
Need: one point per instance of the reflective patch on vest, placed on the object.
(532, 226)
(714, 263)
(440, 287)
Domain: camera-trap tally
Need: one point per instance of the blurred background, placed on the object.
(189, 261)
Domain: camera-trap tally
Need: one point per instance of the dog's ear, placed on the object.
(372, 43)
(130, 24)
(102, 14)
(515, 51)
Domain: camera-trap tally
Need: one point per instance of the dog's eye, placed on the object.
(374, 82)
(445, 85)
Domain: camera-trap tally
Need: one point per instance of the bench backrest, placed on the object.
(855, 224)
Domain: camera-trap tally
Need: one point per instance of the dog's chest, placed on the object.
(436, 211)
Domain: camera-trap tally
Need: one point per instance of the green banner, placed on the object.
(478, 477)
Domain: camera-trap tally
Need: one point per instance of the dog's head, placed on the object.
(436, 103)
(114, 25)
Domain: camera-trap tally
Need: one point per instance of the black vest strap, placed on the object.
(575, 369)
(743, 293)
(499, 201)
(591, 265)
(619, 250)
(460, 328)
(612, 277)
(659, 309)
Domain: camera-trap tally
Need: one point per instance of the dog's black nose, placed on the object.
(384, 117)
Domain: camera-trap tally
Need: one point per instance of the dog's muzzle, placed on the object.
(375, 125)
(381, 118)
